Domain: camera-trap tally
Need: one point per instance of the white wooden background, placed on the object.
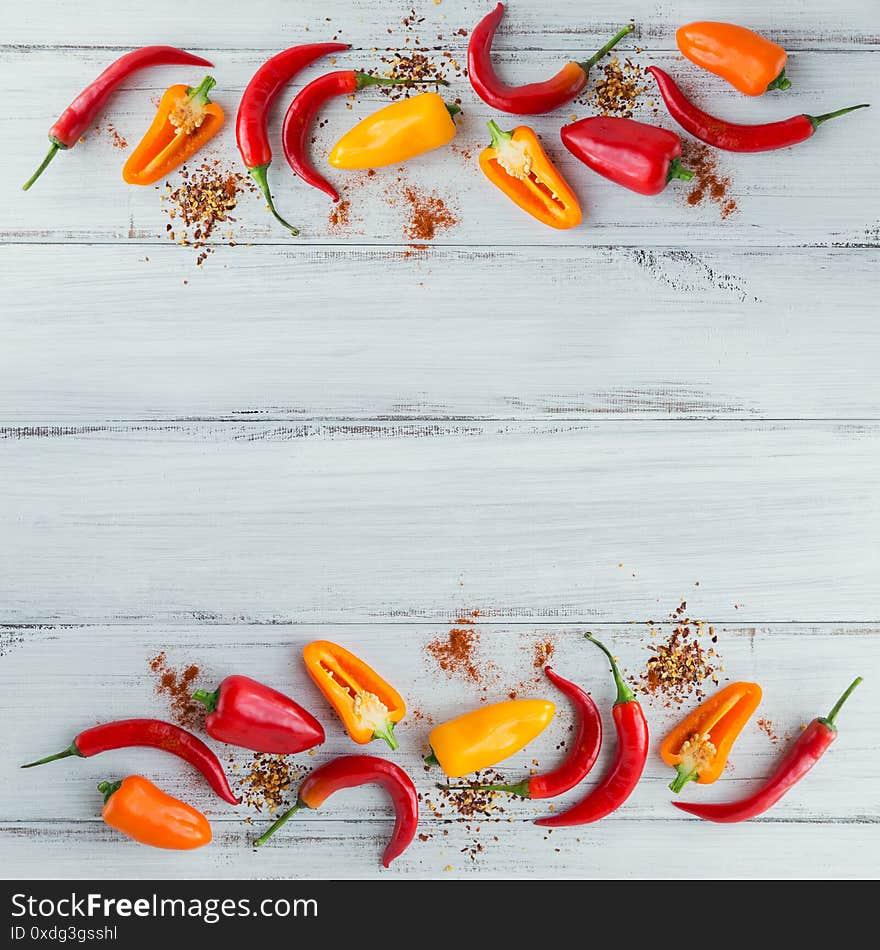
(332, 437)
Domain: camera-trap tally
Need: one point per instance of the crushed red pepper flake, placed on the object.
(708, 182)
(427, 213)
(267, 781)
(178, 686)
(618, 92)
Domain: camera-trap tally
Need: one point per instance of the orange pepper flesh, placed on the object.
(143, 812)
(185, 121)
(366, 704)
(698, 747)
(747, 60)
(516, 163)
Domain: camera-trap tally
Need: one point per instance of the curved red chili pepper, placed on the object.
(252, 120)
(623, 775)
(249, 714)
(580, 759)
(78, 117)
(351, 771)
(532, 98)
(731, 136)
(154, 734)
(800, 758)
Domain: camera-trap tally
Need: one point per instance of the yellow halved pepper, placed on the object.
(488, 735)
(699, 746)
(366, 704)
(396, 133)
(185, 121)
(516, 163)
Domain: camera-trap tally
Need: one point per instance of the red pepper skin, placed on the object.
(78, 117)
(810, 746)
(623, 775)
(252, 120)
(640, 157)
(154, 734)
(731, 136)
(533, 98)
(249, 714)
(351, 771)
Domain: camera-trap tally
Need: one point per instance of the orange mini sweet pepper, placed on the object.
(747, 60)
(516, 163)
(185, 121)
(143, 812)
(366, 704)
(699, 746)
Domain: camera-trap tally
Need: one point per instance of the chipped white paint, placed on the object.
(335, 436)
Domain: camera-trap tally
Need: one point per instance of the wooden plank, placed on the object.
(558, 26)
(374, 521)
(723, 333)
(102, 672)
(786, 199)
(350, 850)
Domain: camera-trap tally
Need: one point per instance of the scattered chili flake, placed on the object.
(769, 729)
(456, 653)
(427, 213)
(707, 182)
(679, 665)
(543, 653)
(178, 686)
(267, 781)
(339, 218)
(618, 91)
(116, 140)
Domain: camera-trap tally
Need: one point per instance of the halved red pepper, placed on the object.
(643, 158)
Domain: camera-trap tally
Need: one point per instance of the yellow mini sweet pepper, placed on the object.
(396, 133)
(486, 736)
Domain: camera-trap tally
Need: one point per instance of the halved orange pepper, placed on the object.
(143, 812)
(185, 121)
(366, 704)
(699, 746)
(516, 163)
(748, 61)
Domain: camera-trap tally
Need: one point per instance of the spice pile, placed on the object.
(267, 781)
(618, 91)
(205, 199)
(707, 182)
(456, 653)
(179, 687)
(427, 213)
(680, 665)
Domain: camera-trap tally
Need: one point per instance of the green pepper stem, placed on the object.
(520, 788)
(70, 750)
(200, 92)
(108, 788)
(817, 120)
(683, 775)
(209, 700)
(499, 136)
(431, 759)
(387, 733)
(829, 719)
(677, 170)
(362, 80)
(54, 149)
(452, 109)
(260, 176)
(589, 63)
(624, 693)
(781, 82)
(266, 835)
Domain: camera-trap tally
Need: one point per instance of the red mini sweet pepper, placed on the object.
(643, 158)
(249, 714)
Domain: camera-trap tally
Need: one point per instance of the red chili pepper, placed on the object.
(78, 117)
(733, 137)
(252, 120)
(246, 713)
(580, 759)
(351, 771)
(535, 97)
(301, 114)
(640, 157)
(154, 734)
(623, 775)
(800, 758)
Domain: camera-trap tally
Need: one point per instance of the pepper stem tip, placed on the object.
(63, 754)
(683, 775)
(587, 65)
(829, 719)
(624, 693)
(260, 176)
(54, 148)
(266, 835)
